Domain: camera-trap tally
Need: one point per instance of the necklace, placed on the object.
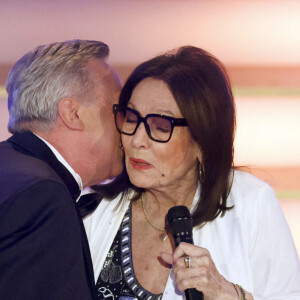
(163, 236)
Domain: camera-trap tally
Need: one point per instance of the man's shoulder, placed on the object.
(20, 170)
(18, 162)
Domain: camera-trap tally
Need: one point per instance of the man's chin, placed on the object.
(118, 170)
(118, 166)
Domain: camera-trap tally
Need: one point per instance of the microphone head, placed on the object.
(179, 211)
(180, 224)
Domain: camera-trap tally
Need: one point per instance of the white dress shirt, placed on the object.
(64, 162)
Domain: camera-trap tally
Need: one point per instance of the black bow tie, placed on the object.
(88, 203)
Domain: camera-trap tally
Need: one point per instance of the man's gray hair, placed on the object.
(45, 75)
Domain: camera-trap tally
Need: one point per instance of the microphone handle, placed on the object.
(190, 294)
(180, 224)
(193, 294)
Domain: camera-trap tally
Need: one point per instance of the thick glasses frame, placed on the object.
(173, 121)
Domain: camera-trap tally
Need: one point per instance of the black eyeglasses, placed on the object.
(158, 127)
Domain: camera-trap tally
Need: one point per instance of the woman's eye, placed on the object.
(131, 120)
(164, 130)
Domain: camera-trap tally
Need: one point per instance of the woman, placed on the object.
(176, 117)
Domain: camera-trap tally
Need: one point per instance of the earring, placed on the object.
(201, 172)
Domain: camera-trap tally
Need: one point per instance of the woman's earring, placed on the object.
(201, 172)
(121, 145)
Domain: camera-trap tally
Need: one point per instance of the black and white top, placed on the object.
(117, 280)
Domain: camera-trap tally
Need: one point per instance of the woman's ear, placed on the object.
(69, 113)
(199, 156)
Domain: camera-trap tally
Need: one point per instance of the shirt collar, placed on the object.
(64, 162)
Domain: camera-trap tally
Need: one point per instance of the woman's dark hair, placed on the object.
(202, 91)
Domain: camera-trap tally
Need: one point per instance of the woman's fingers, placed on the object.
(201, 274)
(195, 276)
(194, 268)
(167, 258)
(194, 261)
(188, 249)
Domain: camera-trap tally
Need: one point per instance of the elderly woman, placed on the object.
(176, 117)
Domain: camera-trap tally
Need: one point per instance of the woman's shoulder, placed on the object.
(247, 187)
(253, 200)
(245, 180)
(108, 213)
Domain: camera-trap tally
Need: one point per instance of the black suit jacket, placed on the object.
(44, 252)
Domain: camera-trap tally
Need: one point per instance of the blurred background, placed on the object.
(258, 41)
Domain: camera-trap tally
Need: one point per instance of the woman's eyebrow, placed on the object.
(158, 112)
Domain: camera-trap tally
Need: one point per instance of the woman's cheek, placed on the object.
(163, 172)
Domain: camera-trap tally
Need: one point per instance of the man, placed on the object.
(60, 99)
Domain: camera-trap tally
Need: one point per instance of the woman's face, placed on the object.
(154, 165)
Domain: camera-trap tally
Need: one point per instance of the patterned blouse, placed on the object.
(117, 279)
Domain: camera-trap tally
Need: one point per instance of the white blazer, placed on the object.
(251, 245)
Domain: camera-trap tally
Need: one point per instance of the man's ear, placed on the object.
(68, 111)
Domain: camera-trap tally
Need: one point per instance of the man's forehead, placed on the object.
(98, 66)
(111, 80)
(107, 83)
(103, 71)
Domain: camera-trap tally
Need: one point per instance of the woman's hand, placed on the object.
(201, 275)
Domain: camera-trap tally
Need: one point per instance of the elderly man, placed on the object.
(60, 99)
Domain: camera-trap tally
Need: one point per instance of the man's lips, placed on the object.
(139, 164)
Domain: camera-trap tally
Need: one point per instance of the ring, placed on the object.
(188, 261)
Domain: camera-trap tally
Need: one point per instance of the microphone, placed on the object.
(180, 225)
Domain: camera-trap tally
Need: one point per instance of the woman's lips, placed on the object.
(139, 164)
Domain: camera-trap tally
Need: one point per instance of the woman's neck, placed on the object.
(162, 199)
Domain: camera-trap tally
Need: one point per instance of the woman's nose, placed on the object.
(140, 138)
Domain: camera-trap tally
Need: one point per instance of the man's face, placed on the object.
(102, 141)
